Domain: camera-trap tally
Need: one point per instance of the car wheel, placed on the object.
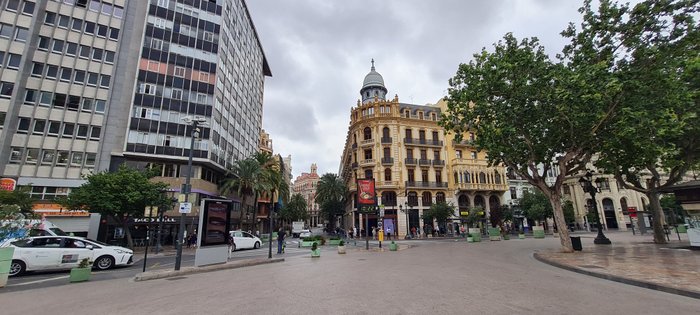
(257, 245)
(233, 247)
(17, 268)
(104, 262)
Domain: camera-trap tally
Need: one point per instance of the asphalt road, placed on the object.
(434, 277)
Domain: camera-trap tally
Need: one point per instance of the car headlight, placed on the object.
(120, 251)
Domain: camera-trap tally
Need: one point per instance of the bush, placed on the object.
(85, 263)
(335, 237)
(342, 243)
(314, 247)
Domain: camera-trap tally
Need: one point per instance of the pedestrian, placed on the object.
(436, 231)
(280, 240)
(354, 231)
(230, 245)
(374, 233)
(388, 233)
(413, 232)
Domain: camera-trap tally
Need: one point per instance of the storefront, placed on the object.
(76, 222)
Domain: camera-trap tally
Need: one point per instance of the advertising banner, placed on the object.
(366, 195)
(8, 184)
(216, 220)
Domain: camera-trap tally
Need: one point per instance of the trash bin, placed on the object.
(576, 242)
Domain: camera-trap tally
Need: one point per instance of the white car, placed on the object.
(65, 252)
(243, 240)
(305, 233)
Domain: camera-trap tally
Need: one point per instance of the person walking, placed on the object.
(374, 233)
(388, 233)
(230, 245)
(280, 240)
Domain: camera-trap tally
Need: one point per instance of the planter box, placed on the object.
(521, 236)
(470, 239)
(308, 244)
(476, 237)
(341, 249)
(80, 274)
(334, 242)
(494, 234)
(393, 247)
(538, 232)
(681, 229)
(5, 262)
(316, 253)
(506, 237)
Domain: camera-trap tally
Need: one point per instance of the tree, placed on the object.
(331, 195)
(474, 216)
(274, 184)
(244, 178)
(267, 164)
(651, 50)
(120, 195)
(440, 211)
(536, 206)
(295, 210)
(19, 197)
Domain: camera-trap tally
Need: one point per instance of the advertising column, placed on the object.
(214, 223)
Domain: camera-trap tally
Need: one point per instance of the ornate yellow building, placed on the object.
(414, 163)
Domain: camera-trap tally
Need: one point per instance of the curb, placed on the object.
(639, 283)
(153, 275)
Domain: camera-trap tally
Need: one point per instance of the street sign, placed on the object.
(185, 207)
(464, 213)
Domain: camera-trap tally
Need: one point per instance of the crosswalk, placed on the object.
(292, 247)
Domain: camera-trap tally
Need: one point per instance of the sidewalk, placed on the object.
(635, 260)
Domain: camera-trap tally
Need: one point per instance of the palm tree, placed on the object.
(295, 209)
(245, 179)
(273, 181)
(266, 162)
(331, 194)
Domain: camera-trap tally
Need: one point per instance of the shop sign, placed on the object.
(154, 220)
(8, 184)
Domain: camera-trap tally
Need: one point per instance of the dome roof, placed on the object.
(373, 78)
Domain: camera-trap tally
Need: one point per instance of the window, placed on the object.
(6, 89)
(12, 5)
(367, 133)
(77, 25)
(474, 155)
(424, 175)
(152, 66)
(44, 43)
(32, 155)
(513, 193)
(387, 174)
(411, 175)
(59, 100)
(23, 124)
(104, 80)
(147, 88)
(62, 158)
(109, 56)
(159, 23)
(458, 154)
(54, 127)
(84, 51)
(13, 61)
(113, 33)
(90, 159)
(73, 102)
(201, 98)
(57, 46)
(50, 18)
(21, 34)
(118, 12)
(82, 131)
(5, 30)
(176, 94)
(39, 126)
(368, 173)
(87, 104)
(37, 69)
(16, 154)
(77, 158)
(47, 156)
(368, 154)
(79, 76)
(63, 21)
(95, 133)
(29, 97)
(96, 54)
(204, 77)
(92, 78)
(68, 130)
(208, 36)
(157, 44)
(51, 71)
(66, 74)
(28, 8)
(95, 5)
(46, 98)
(100, 106)
(179, 72)
(71, 49)
(89, 27)
(102, 30)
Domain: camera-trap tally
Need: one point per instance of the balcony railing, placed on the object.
(424, 162)
(426, 142)
(426, 184)
(463, 143)
(367, 162)
(390, 183)
(387, 160)
(439, 162)
(411, 161)
(386, 139)
(367, 142)
(482, 186)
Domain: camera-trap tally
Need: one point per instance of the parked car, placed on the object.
(305, 233)
(244, 240)
(65, 252)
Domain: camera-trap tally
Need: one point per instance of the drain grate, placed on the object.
(591, 266)
(176, 278)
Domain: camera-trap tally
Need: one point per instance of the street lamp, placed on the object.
(196, 121)
(406, 211)
(586, 182)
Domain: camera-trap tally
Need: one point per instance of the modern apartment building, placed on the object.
(88, 85)
(414, 163)
(305, 185)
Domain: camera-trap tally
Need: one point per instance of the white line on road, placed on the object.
(38, 281)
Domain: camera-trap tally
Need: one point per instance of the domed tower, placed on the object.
(373, 86)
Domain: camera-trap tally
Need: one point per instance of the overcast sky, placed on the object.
(320, 51)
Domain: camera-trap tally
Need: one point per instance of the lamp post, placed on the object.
(186, 189)
(406, 212)
(586, 182)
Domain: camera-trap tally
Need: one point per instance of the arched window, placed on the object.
(385, 133)
(497, 177)
(494, 202)
(389, 198)
(440, 197)
(623, 204)
(354, 139)
(456, 178)
(412, 199)
(427, 199)
(479, 201)
(482, 178)
(463, 201)
(367, 132)
(387, 174)
(467, 178)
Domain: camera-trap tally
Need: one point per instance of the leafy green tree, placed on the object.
(19, 197)
(440, 211)
(474, 216)
(536, 206)
(331, 195)
(120, 195)
(295, 210)
(650, 50)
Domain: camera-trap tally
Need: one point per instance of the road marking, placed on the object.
(38, 281)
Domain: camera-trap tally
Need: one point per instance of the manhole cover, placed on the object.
(591, 266)
(176, 278)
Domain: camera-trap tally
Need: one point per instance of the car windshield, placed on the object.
(58, 231)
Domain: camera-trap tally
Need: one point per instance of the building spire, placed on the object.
(372, 64)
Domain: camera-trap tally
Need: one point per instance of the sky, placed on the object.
(319, 52)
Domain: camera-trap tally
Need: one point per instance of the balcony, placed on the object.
(463, 143)
(482, 187)
(411, 161)
(387, 161)
(470, 162)
(389, 183)
(424, 162)
(367, 162)
(386, 139)
(423, 142)
(367, 142)
(438, 162)
(426, 184)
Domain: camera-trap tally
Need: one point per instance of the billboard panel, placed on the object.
(216, 217)
(366, 195)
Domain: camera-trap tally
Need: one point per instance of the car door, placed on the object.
(74, 250)
(239, 240)
(249, 242)
(44, 253)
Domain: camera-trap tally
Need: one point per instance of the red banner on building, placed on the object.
(366, 195)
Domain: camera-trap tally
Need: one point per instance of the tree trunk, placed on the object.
(564, 238)
(123, 221)
(255, 213)
(240, 216)
(657, 215)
